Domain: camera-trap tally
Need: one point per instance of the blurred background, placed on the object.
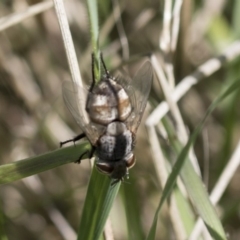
(34, 119)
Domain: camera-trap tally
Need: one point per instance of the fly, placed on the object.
(109, 114)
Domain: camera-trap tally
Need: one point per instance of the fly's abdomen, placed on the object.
(105, 149)
(116, 144)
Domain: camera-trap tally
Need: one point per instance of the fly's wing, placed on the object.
(75, 99)
(140, 86)
(123, 79)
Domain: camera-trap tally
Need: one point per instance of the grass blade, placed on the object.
(98, 203)
(24, 168)
(93, 19)
(194, 187)
(101, 192)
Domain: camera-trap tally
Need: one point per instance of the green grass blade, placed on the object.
(98, 203)
(24, 168)
(194, 186)
(93, 19)
(132, 205)
(185, 210)
(101, 193)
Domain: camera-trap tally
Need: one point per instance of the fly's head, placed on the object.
(117, 169)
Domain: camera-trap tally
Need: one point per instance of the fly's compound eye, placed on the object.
(130, 161)
(105, 168)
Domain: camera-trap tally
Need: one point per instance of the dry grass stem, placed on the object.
(121, 31)
(162, 174)
(68, 43)
(15, 18)
(181, 130)
(165, 37)
(175, 24)
(203, 71)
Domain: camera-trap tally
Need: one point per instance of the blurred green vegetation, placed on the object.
(33, 118)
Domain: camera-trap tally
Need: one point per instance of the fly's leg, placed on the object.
(75, 139)
(93, 75)
(104, 66)
(90, 154)
(93, 82)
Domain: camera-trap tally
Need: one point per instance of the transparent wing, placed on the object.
(140, 86)
(75, 99)
(123, 79)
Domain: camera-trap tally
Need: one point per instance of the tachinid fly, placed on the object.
(109, 114)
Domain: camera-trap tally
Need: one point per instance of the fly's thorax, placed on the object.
(108, 102)
(118, 169)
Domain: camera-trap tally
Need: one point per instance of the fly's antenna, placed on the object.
(104, 66)
(93, 75)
